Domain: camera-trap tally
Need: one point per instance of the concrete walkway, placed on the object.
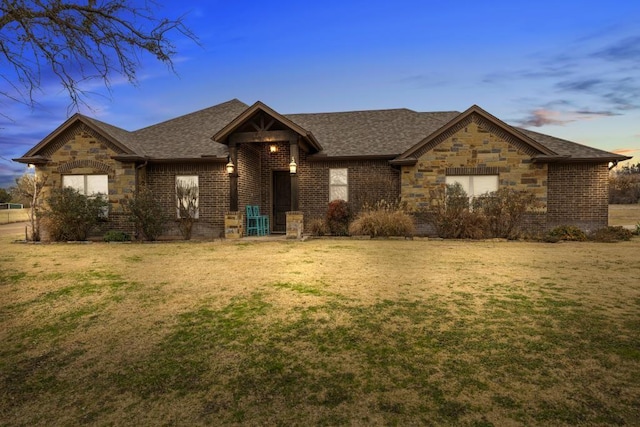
(15, 230)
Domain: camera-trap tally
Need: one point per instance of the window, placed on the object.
(187, 196)
(89, 185)
(338, 185)
(475, 185)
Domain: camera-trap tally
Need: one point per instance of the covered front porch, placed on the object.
(264, 164)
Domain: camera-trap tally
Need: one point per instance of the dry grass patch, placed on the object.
(624, 214)
(321, 332)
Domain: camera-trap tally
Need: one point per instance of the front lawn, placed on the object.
(324, 332)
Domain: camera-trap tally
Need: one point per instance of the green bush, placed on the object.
(338, 216)
(116, 236)
(567, 232)
(612, 234)
(71, 216)
(383, 220)
(147, 214)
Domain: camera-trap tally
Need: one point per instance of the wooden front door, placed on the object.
(281, 199)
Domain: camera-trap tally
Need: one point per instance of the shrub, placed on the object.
(116, 236)
(71, 215)
(612, 234)
(338, 215)
(147, 214)
(504, 210)
(317, 227)
(383, 220)
(567, 232)
(450, 216)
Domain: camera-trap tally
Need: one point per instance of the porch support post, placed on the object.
(295, 153)
(233, 178)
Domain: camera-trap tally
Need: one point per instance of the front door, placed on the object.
(281, 199)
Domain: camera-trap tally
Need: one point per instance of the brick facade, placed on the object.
(578, 195)
(213, 201)
(573, 193)
(368, 182)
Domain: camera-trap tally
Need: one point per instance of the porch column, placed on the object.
(295, 154)
(233, 178)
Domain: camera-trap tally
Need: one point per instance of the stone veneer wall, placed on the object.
(81, 151)
(213, 202)
(578, 195)
(471, 149)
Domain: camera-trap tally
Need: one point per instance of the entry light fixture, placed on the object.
(230, 167)
(293, 167)
(273, 148)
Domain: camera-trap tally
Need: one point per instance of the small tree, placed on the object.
(187, 207)
(71, 215)
(30, 187)
(147, 214)
(5, 196)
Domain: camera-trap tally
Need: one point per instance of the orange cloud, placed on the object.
(543, 116)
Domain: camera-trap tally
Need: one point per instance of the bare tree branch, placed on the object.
(78, 42)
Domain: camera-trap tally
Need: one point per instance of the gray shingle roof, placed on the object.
(123, 136)
(568, 148)
(342, 134)
(375, 132)
(190, 135)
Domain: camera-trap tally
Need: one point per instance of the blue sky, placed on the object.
(569, 69)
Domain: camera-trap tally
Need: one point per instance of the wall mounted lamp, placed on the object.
(230, 167)
(293, 167)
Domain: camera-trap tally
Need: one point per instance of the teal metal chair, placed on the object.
(257, 225)
(253, 223)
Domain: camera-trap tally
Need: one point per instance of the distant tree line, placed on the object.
(624, 185)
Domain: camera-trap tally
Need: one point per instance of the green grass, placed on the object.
(104, 343)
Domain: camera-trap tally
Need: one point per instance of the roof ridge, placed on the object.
(352, 111)
(183, 116)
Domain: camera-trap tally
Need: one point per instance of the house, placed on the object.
(241, 155)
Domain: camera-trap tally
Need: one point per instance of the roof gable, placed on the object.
(263, 111)
(111, 134)
(485, 120)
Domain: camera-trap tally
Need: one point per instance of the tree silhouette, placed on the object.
(78, 43)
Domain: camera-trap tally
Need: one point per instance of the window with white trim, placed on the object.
(187, 186)
(90, 186)
(475, 185)
(338, 184)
